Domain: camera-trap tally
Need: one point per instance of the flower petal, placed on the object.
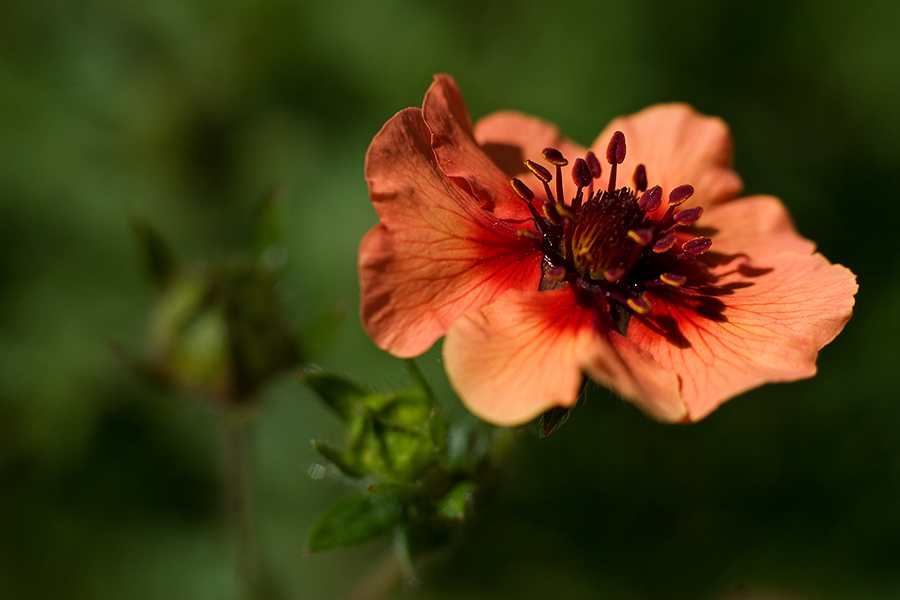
(510, 138)
(459, 155)
(525, 353)
(436, 254)
(775, 322)
(677, 145)
(756, 224)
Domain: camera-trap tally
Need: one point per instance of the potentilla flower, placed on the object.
(541, 262)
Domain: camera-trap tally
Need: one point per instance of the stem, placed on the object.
(238, 506)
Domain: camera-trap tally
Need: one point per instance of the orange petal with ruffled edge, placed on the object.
(772, 328)
(677, 145)
(509, 138)
(525, 353)
(759, 225)
(436, 254)
(459, 155)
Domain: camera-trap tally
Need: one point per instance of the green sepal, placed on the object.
(342, 396)
(395, 435)
(359, 518)
(155, 255)
(342, 460)
(455, 505)
(268, 229)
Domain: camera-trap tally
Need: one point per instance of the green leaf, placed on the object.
(359, 518)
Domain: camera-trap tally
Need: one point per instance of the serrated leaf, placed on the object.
(356, 519)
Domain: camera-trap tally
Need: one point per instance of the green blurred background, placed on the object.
(185, 113)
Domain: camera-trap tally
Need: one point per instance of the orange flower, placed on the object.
(539, 265)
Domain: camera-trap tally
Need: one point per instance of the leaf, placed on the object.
(359, 518)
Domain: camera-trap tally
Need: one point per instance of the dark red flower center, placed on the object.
(613, 245)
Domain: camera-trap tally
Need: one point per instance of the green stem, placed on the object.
(238, 506)
(417, 376)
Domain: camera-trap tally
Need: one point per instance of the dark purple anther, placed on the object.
(522, 190)
(615, 152)
(640, 178)
(688, 216)
(664, 243)
(697, 246)
(651, 199)
(540, 172)
(581, 173)
(554, 157)
(593, 164)
(680, 194)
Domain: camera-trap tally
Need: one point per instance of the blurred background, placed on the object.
(184, 114)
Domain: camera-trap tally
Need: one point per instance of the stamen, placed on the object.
(673, 279)
(641, 236)
(581, 175)
(680, 194)
(593, 164)
(521, 190)
(697, 246)
(525, 193)
(615, 155)
(640, 178)
(555, 157)
(651, 199)
(613, 274)
(664, 243)
(640, 305)
(544, 175)
(539, 171)
(688, 216)
(555, 274)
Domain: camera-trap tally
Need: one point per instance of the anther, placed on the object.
(581, 173)
(680, 194)
(554, 157)
(640, 177)
(521, 190)
(539, 171)
(613, 274)
(651, 199)
(527, 233)
(641, 236)
(555, 274)
(673, 279)
(640, 305)
(697, 246)
(664, 243)
(615, 154)
(593, 164)
(688, 216)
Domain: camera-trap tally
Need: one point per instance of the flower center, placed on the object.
(612, 245)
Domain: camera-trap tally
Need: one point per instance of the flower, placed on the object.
(539, 264)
